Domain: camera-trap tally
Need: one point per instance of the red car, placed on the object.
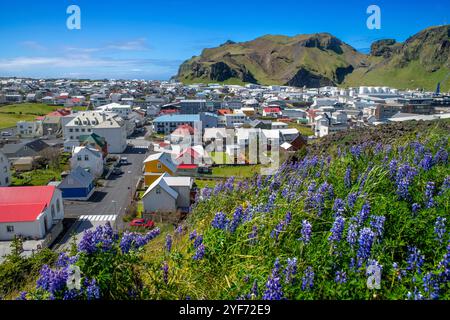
(149, 224)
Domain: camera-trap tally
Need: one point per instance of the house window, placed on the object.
(9, 229)
(79, 158)
(83, 130)
(158, 190)
(71, 137)
(86, 158)
(159, 166)
(77, 130)
(5, 169)
(53, 211)
(6, 180)
(89, 130)
(70, 130)
(58, 205)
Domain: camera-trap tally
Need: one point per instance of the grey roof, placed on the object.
(78, 178)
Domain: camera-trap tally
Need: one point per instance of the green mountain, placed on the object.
(321, 59)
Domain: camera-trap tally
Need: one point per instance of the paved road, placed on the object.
(115, 195)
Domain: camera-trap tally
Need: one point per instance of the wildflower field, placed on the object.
(317, 229)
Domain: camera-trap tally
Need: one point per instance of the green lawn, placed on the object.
(304, 130)
(11, 114)
(236, 171)
(220, 157)
(205, 183)
(40, 177)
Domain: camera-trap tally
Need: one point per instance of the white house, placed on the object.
(29, 129)
(87, 158)
(5, 173)
(168, 194)
(105, 124)
(30, 212)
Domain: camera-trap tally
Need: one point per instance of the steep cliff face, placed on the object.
(322, 59)
(305, 60)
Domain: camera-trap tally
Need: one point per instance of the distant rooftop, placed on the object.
(178, 118)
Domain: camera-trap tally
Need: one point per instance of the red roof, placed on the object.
(184, 130)
(272, 110)
(190, 151)
(168, 111)
(223, 112)
(187, 166)
(23, 204)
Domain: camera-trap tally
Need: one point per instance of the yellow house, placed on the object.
(156, 165)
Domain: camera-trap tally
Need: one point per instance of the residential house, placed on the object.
(24, 149)
(96, 142)
(78, 185)
(29, 129)
(169, 123)
(23, 164)
(89, 159)
(5, 173)
(30, 212)
(272, 112)
(107, 125)
(156, 165)
(168, 194)
(51, 125)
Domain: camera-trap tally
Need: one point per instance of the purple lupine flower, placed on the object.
(237, 219)
(439, 228)
(415, 207)
(133, 241)
(168, 243)
(252, 236)
(405, 176)
(193, 235)
(22, 296)
(308, 279)
(220, 221)
(445, 186)
(417, 295)
(306, 232)
(291, 270)
(431, 285)
(274, 290)
(365, 245)
(377, 223)
(427, 161)
(415, 260)
(199, 252)
(92, 290)
(352, 234)
(270, 202)
(364, 213)
(278, 228)
(52, 280)
(441, 156)
(348, 177)
(338, 207)
(179, 230)
(356, 151)
(337, 230)
(341, 277)
(254, 290)
(165, 269)
(444, 264)
(393, 168)
(351, 200)
(63, 260)
(288, 218)
(198, 241)
(429, 191)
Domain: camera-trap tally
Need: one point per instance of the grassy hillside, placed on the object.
(378, 200)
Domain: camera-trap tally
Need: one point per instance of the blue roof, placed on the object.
(178, 118)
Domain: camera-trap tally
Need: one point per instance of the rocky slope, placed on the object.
(322, 59)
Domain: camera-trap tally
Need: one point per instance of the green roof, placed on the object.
(93, 138)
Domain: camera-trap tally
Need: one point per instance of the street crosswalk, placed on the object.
(99, 218)
(141, 147)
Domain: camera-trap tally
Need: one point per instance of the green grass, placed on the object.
(11, 114)
(220, 157)
(206, 183)
(241, 171)
(39, 177)
(304, 130)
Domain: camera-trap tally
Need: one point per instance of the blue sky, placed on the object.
(149, 39)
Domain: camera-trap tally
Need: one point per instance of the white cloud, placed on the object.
(34, 45)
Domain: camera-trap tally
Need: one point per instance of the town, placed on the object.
(77, 154)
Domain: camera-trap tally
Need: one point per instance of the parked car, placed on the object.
(148, 224)
(117, 171)
(6, 134)
(123, 160)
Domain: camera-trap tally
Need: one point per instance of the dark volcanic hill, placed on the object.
(322, 59)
